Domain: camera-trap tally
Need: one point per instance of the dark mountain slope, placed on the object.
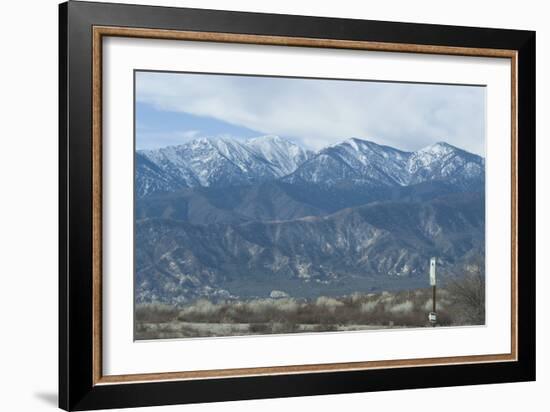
(353, 249)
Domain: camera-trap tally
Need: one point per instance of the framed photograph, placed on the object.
(256, 205)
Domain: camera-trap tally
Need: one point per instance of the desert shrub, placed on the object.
(440, 304)
(260, 328)
(286, 305)
(444, 318)
(461, 302)
(403, 307)
(356, 297)
(284, 327)
(467, 294)
(369, 306)
(201, 311)
(155, 312)
(270, 305)
(328, 303)
(202, 307)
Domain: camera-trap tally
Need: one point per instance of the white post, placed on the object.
(432, 317)
(432, 271)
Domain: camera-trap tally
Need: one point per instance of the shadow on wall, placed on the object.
(49, 398)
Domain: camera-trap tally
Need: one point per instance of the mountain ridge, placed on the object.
(221, 219)
(367, 246)
(220, 162)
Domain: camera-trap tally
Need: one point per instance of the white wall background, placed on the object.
(28, 203)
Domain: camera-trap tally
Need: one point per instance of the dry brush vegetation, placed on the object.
(460, 302)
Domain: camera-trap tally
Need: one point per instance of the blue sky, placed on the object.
(172, 108)
(160, 128)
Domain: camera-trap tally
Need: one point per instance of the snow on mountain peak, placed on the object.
(222, 161)
(365, 162)
(206, 161)
(284, 155)
(353, 143)
(444, 161)
(438, 148)
(268, 138)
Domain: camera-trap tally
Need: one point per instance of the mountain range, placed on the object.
(223, 218)
(216, 162)
(227, 162)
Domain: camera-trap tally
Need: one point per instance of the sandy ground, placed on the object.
(179, 329)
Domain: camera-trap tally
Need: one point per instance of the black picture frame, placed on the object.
(77, 390)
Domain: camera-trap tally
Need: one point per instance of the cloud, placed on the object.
(322, 112)
(146, 139)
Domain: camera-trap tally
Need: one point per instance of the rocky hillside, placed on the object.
(224, 219)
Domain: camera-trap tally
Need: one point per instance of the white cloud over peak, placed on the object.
(322, 112)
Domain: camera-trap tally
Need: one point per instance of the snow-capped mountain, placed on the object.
(364, 162)
(441, 161)
(222, 162)
(216, 162)
(354, 160)
(243, 218)
(284, 155)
